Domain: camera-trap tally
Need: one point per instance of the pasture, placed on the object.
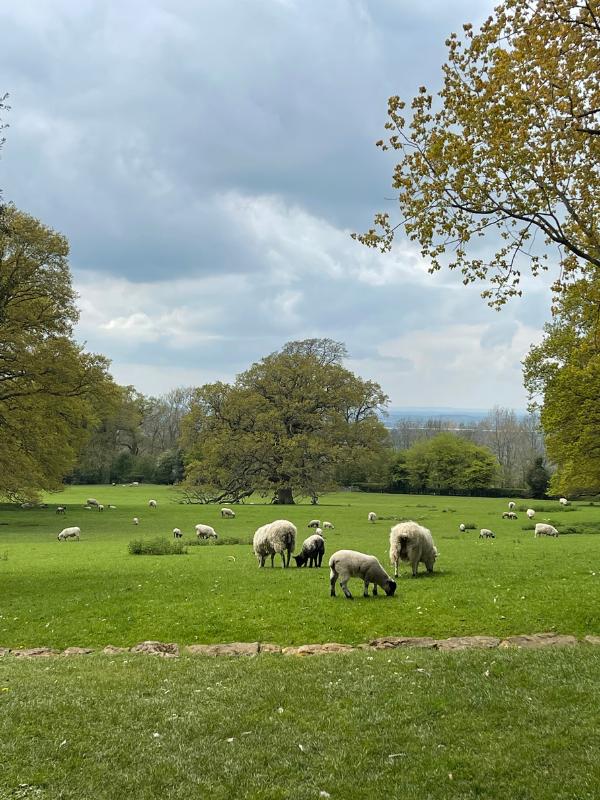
(93, 592)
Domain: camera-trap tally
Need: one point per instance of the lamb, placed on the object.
(462, 527)
(411, 542)
(313, 550)
(100, 507)
(530, 513)
(346, 564)
(69, 533)
(92, 502)
(136, 521)
(486, 533)
(61, 509)
(328, 525)
(314, 523)
(512, 506)
(206, 532)
(509, 515)
(152, 503)
(372, 516)
(227, 513)
(275, 537)
(177, 534)
(542, 529)
(563, 501)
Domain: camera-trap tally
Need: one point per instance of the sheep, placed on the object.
(227, 513)
(486, 533)
(275, 537)
(27, 505)
(541, 529)
(87, 508)
(61, 509)
(346, 564)
(206, 532)
(314, 523)
(69, 533)
(509, 515)
(512, 506)
(372, 516)
(411, 542)
(328, 525)
(152, 503)
(530, 513)
(177, 534)
(462, 527)
(134, 483)
(136, 521)
(92, 502)
(563, 501)
(100, 507)
(112, 508)
(313, 550)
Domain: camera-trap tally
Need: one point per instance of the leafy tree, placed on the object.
(509, 150)
(448, 463)
(563, 373)
(51, 391)
(283, 427)
(169, 467)
(538, 478)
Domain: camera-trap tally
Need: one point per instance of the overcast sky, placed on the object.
(208, 160)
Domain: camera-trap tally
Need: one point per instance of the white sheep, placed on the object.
(509, 515)
(530, 513)
(328, 525)
(206, 532)
(563, 501)
(61, 509)
(542, 529)
(512, 506)
(372, 516)
(227, 513)
(177, 534)
(112, 508)
(136, 521)
(313, 550)
(314, 523)
(486, 533)
(69, 533)
(462, 527)
(100, 507)
(411, 542)
(275, 537)
(152, 503)
(346, 564)
(91, 501)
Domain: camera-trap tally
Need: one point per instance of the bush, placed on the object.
(156, 547)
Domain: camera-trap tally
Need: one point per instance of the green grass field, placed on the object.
(93, 592)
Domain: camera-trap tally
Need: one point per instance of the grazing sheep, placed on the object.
(509, 515)
(177, 534)
(275, 537)
(134, 483)
(512, 506)
(87, 508)
(61, 509)
(530, 513)
(136, 521)
(328, 525)
(100, 507)
(69, 533)
(152, 503)
(372, 516)
(92, 502)
(563, 501)
(486, 533)
(462, 527)
(27, 505)
(542, 529)
(313, 550)
(227, 513)
(206, 532)
(346, 564)
(113, 508)
(314, 523)
(411, 542)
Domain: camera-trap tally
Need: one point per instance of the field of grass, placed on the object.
(93, 592)
(401, 724)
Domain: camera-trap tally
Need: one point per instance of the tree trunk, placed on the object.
(285, 496)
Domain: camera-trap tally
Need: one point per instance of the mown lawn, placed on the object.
(399, 724)
(93, 592)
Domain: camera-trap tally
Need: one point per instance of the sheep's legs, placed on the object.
(272, 560)
(345, 589)
(332, 581)
(374, 590)
(396, 568)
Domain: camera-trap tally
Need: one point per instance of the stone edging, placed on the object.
(172, 650)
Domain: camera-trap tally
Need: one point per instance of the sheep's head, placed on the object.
(390, 587)
(300, 560)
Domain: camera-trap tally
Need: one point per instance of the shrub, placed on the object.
(156, 547)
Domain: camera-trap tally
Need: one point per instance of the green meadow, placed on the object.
(94, 592)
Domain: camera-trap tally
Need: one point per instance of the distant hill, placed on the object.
(417, 414)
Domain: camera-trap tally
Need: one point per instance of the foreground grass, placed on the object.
(92, 592)
(410, 724)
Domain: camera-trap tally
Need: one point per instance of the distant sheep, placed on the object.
(136, 521)
(206, 532)
(177, 534)
(61, 509)
(112, 508)
(91, 501)
(327, 525)
(486, 533)
(512, 506)
(530, 513)
(69, 533)
(100, 507)
(372, 516)
(227, 513)
(152, 503)
(413, 543)
(346, 564)
(509, 515)
(313, 550)
(462, 527)
(563, 501)
(542, 529)
(314, 523)
(27, 505)
(275, 537)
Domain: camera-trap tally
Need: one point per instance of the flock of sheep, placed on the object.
(541, 528)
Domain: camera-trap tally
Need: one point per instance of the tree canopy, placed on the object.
(446, 463)
(283, 427)
(51, 390)
(508, 152)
